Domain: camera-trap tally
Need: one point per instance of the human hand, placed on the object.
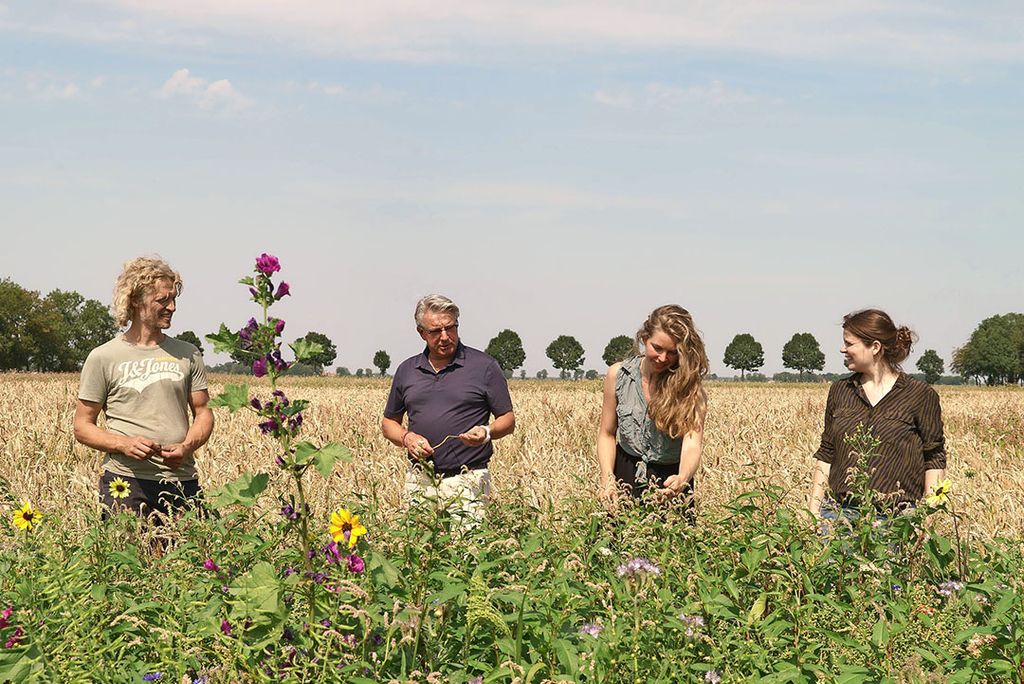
(608, 493)
(417, 446)
(139, 448)
(174, 454)
(475, 437)
(674, 486)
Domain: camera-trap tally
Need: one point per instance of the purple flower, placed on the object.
(288, 572)
(332, 553)
(638, 567)
(200, 680)
(950, 587)
(256, 404)
(377, 639)
(279, 363)
(693, 623)
(269, 425)
(278, 325)
(210, 565)
(325, 622)
(349, 639)
(15, 637)
(593, 629)
(279, 462)
(356, 564)
(247, 332)
(259, 367)
(253, 292)
(5, 616)
(317, 577)
(288, 512)
(296, 422)
(225, 627)
(712, 677)
(479, 679)
(282, 290)
(267, 264)
(280, 395)
(152, 676)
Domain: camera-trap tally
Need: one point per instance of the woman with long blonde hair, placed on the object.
(652, 417)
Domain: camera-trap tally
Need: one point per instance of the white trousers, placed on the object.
(464, 495)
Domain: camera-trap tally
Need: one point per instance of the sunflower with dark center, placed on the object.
(26, 517)
(120, 489)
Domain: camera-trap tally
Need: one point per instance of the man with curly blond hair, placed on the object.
(146, 383)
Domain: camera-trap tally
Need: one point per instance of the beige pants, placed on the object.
(464, 495)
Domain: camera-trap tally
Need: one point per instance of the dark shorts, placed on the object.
(146, 497)
(625, 472)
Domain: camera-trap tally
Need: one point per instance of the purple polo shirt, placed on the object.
(464, 394)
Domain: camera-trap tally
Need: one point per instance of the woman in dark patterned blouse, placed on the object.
(901, 412)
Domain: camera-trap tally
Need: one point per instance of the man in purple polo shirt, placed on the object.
(449, 391)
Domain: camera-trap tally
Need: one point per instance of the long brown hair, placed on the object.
(679, 403)
(870, 325)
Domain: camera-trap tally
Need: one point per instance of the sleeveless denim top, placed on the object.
(636, 433)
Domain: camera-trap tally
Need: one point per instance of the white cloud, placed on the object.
(372, 95)
(665, 97)
(218, 96)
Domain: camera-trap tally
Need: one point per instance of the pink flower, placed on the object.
(278, 325)
(5, 616)
(356, 564)
(259, 367)
(210, 565)
(15, 638)
(267, 264)
(282, 290)
(225, 627)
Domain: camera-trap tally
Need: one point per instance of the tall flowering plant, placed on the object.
(258, 342)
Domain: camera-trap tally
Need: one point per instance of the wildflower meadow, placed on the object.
(306, 564)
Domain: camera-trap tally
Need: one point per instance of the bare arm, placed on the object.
(689, 461)
(198, 433)
(502, 425)
(818, 483)
(416, 445)
(606, 433)
(87, 432)
(932, 478)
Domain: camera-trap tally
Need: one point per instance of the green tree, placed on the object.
(191, 338)
(16, 343)
(995, 351)
(566, 354)
(75, 326)
(359, 372)
(382, 361)
(343, 372)
(592, 374)
(542, 374)
(522, 374)
(327, 354)
(744, 353)
(618, 349)
(932, 365)
(802, 353)
(507, 349)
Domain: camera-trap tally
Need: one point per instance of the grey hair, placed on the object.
(435, 303)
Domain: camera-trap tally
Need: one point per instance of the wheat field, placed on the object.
(757, 434)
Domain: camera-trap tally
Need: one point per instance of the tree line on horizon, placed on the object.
(55, 333)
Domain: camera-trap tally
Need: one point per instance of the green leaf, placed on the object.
(257, 594)
(304, 349)
(242, 490)
(304, 452)
(880, 634)
(757, 610)
(224, 340)
(328, 455)
(247, 280)
(383, 570)
(233, 397)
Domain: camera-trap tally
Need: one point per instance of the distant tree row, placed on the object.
(995, 351)
(51, 333)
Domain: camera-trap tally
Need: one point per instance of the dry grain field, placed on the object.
(757, 434)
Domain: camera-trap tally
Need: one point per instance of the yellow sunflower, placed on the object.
(119, 489)
(345, 526)
(939, 494)
(26, 517)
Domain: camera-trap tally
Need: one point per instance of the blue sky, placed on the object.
(556, 168)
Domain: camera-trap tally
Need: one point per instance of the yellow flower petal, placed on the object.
(345, 526)
(119, 489)
(26, 517)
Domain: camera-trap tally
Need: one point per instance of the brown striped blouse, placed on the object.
(908, 423)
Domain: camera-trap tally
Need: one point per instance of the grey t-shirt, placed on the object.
(145, 392)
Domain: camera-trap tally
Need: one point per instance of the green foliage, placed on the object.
(994, 352)
(342, 372)
(619, 348)
(53, 333)
(931, 365)
(382, 361)
(542, 374)
(507, 349)
(744, 354)
(566, 353)
(242, 491)
(802, 353)
(191, 338)
(316, 350)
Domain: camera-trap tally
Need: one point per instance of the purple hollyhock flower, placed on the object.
(5, 616)
(288, 512)
(279, 363)
(282, 290)
(259, 367)
(268, 426)
(256, 404)
(267, 264)
(279, 462)
(253, 292)
(356, 564)
(278, 326)
(247, 332)
(15, 637)
(288, 572)
(296, 422)
(210, 565)
(280, 395)
(332, 553)
(225, 627)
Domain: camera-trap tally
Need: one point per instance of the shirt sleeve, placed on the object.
(93, 385)
(826, 451)
(932, 437)
(498, 398)
(199, 381)
(395, 406)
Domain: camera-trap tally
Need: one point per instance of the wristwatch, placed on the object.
(487, 429)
